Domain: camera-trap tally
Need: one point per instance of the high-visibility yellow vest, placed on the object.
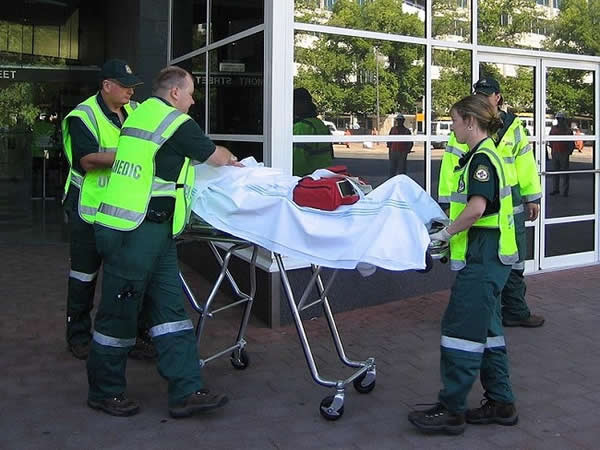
(133, 181)
(520, 165)
(502, 220)
(92, 184)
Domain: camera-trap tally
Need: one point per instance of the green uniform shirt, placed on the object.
(189, 140)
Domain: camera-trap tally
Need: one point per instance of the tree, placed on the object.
(575, 30)
(17, 106)
(344, 73)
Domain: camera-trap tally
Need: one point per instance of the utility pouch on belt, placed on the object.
(325, 193)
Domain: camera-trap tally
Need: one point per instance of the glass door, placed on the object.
(520, 82)
(570, 166)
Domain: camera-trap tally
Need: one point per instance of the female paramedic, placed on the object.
(482, 249)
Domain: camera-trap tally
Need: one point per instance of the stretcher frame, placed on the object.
(203, 232)
(363, 378)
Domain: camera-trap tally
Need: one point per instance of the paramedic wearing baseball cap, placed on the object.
(90, 135)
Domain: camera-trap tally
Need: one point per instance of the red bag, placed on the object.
(324, 193)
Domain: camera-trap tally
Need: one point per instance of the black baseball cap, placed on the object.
(487, 86)
(118, 70)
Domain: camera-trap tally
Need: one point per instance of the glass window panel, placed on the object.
(451, 20)
(518, 90)
(45, 40)
(376, 163)
(15, 38)
(518, 23)
(581, 194)
(236, 74)
(570, 100)
(197, 67)
(530, 235)
(4, 35)
(571, 27)
(450, 81)
(244, 149)
(359, 83)
(560, 241)
(234, 16)
(27, 39)
(402, 18)
(188, 26)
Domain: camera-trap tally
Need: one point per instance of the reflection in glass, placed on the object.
(570, 100)
(235, 82)
(518, 90)
(450, 81)
(530, 235)
(361, 84)
(560, 238)
(371, 160)
(188, 26)
(580, 198)
(402, 18)
(522, 24)
(234, 16)
(197, 67)
(573, 27)
(244, 149)
(451, 20)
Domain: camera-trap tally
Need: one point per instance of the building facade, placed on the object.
(364, 62)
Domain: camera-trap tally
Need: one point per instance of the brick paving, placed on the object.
(274, 402)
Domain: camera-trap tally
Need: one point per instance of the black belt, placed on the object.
(159, 216)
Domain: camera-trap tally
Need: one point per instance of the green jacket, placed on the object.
(133, 181)
(310, 156)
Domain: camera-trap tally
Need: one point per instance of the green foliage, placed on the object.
(518, 15)
(342, 72)
(576, 29)
(17, 106)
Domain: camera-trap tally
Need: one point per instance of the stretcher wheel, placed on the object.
(329, 411)
(364, 386)
(240, 362)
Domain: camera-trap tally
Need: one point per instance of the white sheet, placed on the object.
(386, 228)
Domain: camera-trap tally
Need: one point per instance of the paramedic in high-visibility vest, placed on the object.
(90, 134)
(522, 174)
(483, 249)
(146, 205)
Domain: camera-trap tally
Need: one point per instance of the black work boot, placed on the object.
(492, 411)
(532, 321)
(118, 405)
(199, 401)
(438, 419)
(80, 351)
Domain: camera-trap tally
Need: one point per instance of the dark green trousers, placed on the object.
(138, 262)
(472, 334)
(85, 264)
(514, 306)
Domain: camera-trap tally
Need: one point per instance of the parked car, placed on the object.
(440, 128)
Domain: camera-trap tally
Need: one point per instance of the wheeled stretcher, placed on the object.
(364, 376)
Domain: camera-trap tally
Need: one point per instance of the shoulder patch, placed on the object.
(482, 173)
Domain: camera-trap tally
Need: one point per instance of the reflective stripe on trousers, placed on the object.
(170, 327)
(471, 346)
(81, 276)
(109, 341)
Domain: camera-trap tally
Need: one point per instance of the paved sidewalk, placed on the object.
(274, 402)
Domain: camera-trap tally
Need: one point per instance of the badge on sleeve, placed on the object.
(482, 173)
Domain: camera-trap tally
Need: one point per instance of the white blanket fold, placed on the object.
(386, 228)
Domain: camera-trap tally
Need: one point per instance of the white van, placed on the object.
(440, 128)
